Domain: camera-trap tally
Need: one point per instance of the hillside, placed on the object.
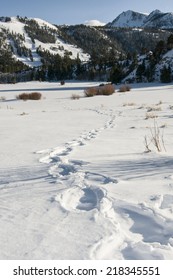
(33, 49)
(47, 51)
(25, 36)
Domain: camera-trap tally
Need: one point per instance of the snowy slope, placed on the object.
(156, 19)
(129, 19)
(166, 60)
(60, 47)
(75, 179)
(94, 22)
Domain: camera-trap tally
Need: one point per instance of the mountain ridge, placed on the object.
(156, 19)
(128, 18)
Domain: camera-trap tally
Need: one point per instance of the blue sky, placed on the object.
(79, 11)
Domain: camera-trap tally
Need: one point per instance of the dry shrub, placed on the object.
(92, 91)
(128, 88)
(124, 88)
(150, 116)
(106, 89)
(23, 96)
(2, 98)
(156, 139)
(35, 96)
(151, 109)
(29, 96)
(100, 90)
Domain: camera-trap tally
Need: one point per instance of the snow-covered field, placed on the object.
(76, 181)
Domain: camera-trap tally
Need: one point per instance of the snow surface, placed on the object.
(75, 179)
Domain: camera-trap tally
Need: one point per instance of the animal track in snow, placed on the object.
(67, 171)
(83, 191)
(90, 199)
(80, 199)
(56, 155)
(99, 178)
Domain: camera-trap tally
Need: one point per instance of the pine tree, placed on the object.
(165, 75)
(140, 72)
(116, 74)
(170, 42)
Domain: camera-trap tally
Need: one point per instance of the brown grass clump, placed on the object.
(23, 96)
(156, 139)
(35, 96)
(155, 108)
(108, 89)
(128, 88)
(2, 98)
(124, 88)
(100, 90)
(150, 116)
(29, 96)
(92, 91)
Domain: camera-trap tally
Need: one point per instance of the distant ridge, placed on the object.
(128, 19)
(156, 19)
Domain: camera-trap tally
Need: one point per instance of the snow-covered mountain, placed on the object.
(156, 19)
(94, 22)
(26, 38)
(128, 19)
(32, 48)
(21, 36)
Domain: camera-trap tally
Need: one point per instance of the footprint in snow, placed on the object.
(99, 178)
(77, 199)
